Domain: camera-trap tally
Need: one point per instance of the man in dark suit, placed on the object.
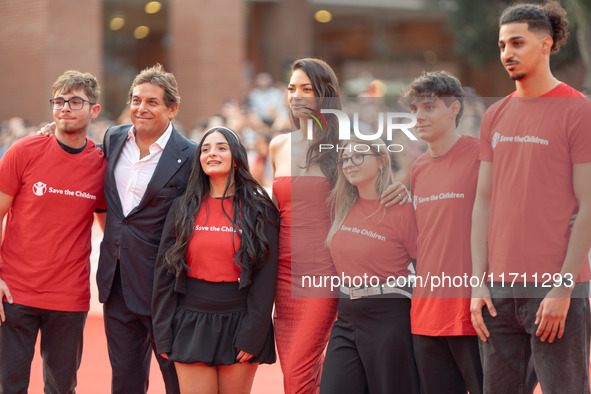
(148, 165)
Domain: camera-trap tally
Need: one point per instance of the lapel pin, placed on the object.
(179, 160)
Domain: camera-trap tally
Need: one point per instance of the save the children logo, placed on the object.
(436, 197)
(526, 139)
(495, 139)
(39, 188)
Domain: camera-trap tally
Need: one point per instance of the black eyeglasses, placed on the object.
(75, 103)
(356, 159)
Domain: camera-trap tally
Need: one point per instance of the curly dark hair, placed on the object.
(549, 17)
(440, 84)
(252, 207)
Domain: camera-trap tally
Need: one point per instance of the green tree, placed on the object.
(581, 9)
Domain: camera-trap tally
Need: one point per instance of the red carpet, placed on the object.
(94, 375)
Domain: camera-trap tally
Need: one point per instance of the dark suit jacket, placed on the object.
(136, 237)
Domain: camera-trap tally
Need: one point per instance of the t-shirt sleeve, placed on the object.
(486, 150)
(413, 171)
(579, 132)
(101, 205)
(410, 238)
(12, 166)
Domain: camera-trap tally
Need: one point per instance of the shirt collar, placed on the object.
(161, 142)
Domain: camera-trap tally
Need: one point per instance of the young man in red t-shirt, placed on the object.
(49, 187)
(533, 318)
(443, 184)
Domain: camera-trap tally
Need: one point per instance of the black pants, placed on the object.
(130, 342)
(61, 348)
(448, 364)
(370, 349)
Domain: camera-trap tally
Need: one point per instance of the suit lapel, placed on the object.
(116, 142)
(174, 155)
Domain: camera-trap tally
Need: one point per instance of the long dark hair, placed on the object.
(326, 88)
(252, 207)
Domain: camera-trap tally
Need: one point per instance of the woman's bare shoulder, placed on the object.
(280, 141)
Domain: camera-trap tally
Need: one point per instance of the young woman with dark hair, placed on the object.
(216, 273)
(303, 177)
(303, 174)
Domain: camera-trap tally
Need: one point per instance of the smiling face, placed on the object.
(522, 51)
(361, 166)
(149, 114)
(300, 94)
(74, 121)
(215, 156)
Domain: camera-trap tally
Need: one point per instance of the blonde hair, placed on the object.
(344, 195)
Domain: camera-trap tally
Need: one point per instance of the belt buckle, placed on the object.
(356, 293)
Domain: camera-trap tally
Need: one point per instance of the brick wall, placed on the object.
(207, 55)
(39, 40)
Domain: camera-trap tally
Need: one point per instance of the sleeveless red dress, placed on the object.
(302, 323)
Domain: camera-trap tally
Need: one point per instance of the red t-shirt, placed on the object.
(210, 255)
(443, 196)
(375, 245)
(44, 258)
(533, 144)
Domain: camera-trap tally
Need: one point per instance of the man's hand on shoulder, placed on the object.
(48, 130)
(395, 193)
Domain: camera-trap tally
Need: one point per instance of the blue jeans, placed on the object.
(448, 364)
(514, 359)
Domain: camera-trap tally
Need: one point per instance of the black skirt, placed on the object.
(207, 321)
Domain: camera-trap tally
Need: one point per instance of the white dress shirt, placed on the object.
(133, 174)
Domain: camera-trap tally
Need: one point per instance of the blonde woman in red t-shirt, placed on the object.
(216, 273)
(370, 347)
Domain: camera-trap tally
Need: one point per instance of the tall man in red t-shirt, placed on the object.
(49, 187)
(534, 174)
(443, 184)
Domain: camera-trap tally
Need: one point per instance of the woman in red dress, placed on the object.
(302, 180)
(303, 176)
